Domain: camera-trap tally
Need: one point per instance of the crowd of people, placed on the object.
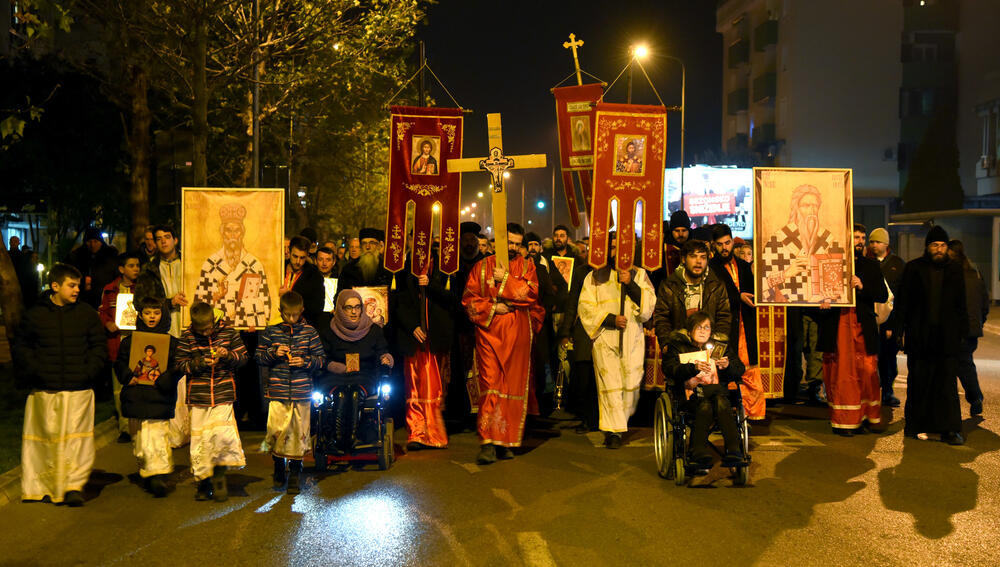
(485, 348)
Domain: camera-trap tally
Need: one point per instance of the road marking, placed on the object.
(268, 505)
(585, 467)
(535, 550)
(449, 536)
(506, 496)
(472, 468)
(802, 438)
(502, 547)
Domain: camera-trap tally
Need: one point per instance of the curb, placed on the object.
(10, 481)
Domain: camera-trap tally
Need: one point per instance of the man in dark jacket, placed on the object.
(978, 305)
(303, 277)
(59, 350)
(675, 234)
(692, 287)
(848, 339)
(933, 321)
(892, 271)
(97, 262)
(460, 396)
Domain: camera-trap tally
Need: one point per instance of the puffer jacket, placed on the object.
(209, 386)
(679, 343)
(59, 347)
(285, 383)
(143, 401)
(670, 313)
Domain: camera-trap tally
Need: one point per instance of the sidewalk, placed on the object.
(992, 324)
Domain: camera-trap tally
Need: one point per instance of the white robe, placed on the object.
(57, 451)
(215, 440)
(619, 372)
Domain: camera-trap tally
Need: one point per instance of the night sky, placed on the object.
(512, 71)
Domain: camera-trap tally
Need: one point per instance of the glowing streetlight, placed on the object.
(474, 205)
(540, 205)
(640, 51)
(473, 215)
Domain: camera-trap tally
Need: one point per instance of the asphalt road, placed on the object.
(814, 499)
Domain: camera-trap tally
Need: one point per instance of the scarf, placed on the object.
(342, 327)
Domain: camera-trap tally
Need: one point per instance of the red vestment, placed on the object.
(503, 345)
(751, 387)
(851, 377)
(424, 396)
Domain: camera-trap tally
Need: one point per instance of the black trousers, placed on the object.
(887, 369)
(932, 395)
(967, 371)
(794, 339)
(710, 404)
(581, 395)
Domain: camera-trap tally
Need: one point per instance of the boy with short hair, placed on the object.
(128, 269)
(209, 352)
(293, 351)
(148, 395)
(59, 350)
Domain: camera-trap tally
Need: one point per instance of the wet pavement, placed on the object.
(814, 499)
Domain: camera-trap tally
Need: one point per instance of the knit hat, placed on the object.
(92, 233)
(680, 219)
(879, 235)
(936, 234)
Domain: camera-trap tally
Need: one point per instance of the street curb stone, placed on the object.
(10, 481)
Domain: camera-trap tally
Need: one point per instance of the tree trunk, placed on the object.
(139, 149)
(10, 291)
(199, 110)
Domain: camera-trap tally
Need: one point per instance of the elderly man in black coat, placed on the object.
(932, 322)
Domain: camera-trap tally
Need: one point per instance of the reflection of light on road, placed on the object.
(375, 527)
(268, 505)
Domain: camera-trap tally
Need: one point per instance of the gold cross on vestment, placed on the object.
(497, 164)
(573, 44)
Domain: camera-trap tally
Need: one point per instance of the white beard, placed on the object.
(368, 262)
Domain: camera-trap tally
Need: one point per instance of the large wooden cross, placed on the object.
(497, 164)
(573, 44)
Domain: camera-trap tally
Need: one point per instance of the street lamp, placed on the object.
(637, 52)
(540, 205)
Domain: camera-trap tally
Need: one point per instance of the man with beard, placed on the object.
(848, 339)
(462, 400)
(561, 243)
(676, 233)
(738, 279)
(326, 264)
(933, 322)
(232, 279)
(304, 278)
(619, 342)
(366, 270)
(691, 288)
(788, 255)
(892, 271)
(504, 306)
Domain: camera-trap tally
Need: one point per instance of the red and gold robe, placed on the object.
(851, 377)
(503, 345)
(752, 389)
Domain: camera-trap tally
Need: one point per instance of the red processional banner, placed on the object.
(421, 142)
(629, 153)
(575, 116)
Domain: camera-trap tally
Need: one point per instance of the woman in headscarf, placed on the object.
(355, 349)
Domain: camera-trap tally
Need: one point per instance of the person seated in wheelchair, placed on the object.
(694, 374)
(358, 355)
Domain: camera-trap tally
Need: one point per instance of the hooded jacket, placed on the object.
(59, 347)
(670, 313)
(286, 383)
(209, 386)
(142, 401)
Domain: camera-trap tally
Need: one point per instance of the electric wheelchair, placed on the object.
(350, 423)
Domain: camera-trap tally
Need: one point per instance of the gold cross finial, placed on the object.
(573, 43)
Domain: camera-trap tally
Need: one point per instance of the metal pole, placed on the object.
(628, 97)
(422, 99)
(256, 95)
(552, 203)
(683, 130)
(522, 204)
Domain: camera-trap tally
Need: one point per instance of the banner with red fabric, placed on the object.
(575, 117)
(421, 142)
(629, 152)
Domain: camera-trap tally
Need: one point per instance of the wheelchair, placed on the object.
(350, 424)
(672, 431)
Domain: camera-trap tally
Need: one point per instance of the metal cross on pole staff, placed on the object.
(497, 164)
(573, 44)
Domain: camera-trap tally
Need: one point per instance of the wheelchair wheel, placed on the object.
(744, 423)
(385, 453)
(742, 476)
(663, 437)
(679, 474)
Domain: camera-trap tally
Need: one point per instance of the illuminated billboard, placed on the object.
(713, 195)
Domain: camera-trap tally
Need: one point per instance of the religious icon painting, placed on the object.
(580, 125)
(427, 152)
(575, 116)
(149, 356)
(564, 265)
(803, 253)
(375, 301)
(630, 152)
(125, 313)
(233, 252)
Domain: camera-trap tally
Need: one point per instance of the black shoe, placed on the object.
(976, 408)
(294, 468)
(843, 432)
(219, 489)
(613, 441)
(487, 455)
(953, 438)
(701, 460)
(157, 486)
(279, 472)
(414, 446)
(891, 401)
(504, 453)
(124, 437)
(204, 490)
(581, 429)
(732, 459)
(73, 498)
